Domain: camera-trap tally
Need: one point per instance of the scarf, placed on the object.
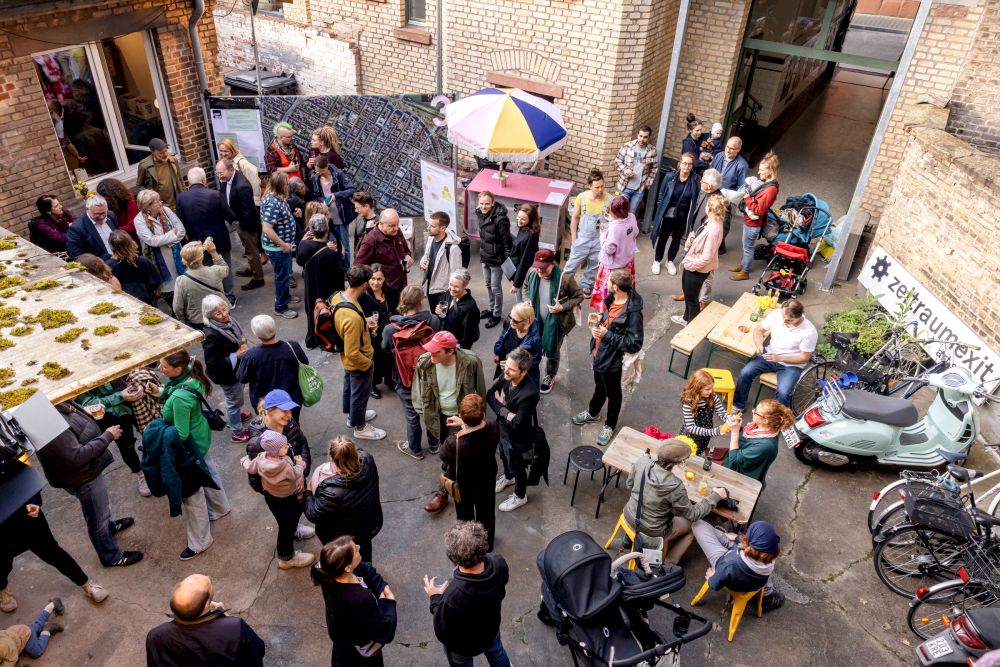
(550, 334)
(762, 569)
(752, 430)
(147, 408)
(154, 255)
(231, 330)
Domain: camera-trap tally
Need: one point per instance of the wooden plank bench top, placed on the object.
(769, 379)
(688, 338)
(629, 444)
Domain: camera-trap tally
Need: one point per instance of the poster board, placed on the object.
(886, 277)
(439, 185)
(244, 128)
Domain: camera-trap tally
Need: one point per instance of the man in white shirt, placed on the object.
(793, 339)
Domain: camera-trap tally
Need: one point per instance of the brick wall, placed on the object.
(975, 103)
(941, 56)
(31, 161)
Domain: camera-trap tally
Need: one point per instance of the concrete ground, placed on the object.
(837, 612)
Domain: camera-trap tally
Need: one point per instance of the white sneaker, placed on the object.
(677, 319)
(369, 415)
(94, 592)
(656, 268)
(503, 483)
(298, 560)
(513, 502)
(369, 432)
(671, 268)
(304, 532)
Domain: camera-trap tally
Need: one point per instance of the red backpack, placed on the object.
(408, 344)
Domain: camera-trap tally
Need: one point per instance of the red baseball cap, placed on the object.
(442, 340)
(544, 258)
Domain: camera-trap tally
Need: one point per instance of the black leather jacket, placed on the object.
(347, 505)
(494, 235)
(624, 335)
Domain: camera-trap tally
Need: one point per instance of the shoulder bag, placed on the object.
(654, 550)
(449, 485)
(310, 381)
(216, 420)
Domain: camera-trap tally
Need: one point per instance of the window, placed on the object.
(106, 102)
(416, 12)
(275, 7)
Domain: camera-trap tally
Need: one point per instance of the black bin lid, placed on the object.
(269, 80)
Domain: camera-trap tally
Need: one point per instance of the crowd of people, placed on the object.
(171, 244)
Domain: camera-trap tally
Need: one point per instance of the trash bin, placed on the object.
(272, 83)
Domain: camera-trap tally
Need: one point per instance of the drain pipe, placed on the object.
(199, 65)
(668, 97)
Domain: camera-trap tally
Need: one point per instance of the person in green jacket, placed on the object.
(186, 379)
(110, 407)
(753, 448)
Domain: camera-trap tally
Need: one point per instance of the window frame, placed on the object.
(410, 20)
(112, 112)
(278, 12)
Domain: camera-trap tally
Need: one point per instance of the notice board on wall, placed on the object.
(382, 137)
(244, 128)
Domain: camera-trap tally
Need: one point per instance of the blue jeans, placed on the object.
(354, 401)
(36, 644)
(750, 236)
(787, 377)
(634, 198)
(495, 655)
(414, 431)
(96, 506)
(344, 241)
(282, 263)
(234, 406)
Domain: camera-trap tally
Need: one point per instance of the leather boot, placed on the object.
(678, 297)
(736, 268)
(437, 503)
(740, 275)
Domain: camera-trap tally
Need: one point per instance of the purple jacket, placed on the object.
(618, 242)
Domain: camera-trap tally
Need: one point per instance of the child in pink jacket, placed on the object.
(618, 247)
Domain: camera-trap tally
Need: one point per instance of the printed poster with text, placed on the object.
(439, 184)
(243, 127)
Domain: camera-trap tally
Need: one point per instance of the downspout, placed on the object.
(668, 97)
(199, 65)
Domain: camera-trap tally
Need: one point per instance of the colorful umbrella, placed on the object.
(505, 125)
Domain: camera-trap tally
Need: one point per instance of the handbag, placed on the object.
(654, 550)
(449, 485)
(216, 420)
(310, 381)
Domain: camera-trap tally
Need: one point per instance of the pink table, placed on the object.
(551, 196)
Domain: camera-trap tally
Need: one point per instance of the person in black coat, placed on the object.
(525, 245)
(360, 606)
(238, 194)
(204, 212)
(224, 347)
(494, 248)
(467, 610)
(469, 458)
(322, 270)
(618, 333)
(74, 461)
(201, 634)
(83, 237)
(513, 397)
(342, 496)
(460, 313)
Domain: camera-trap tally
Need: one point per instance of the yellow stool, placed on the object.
(723, 384)
(628, 530)
(740, 601)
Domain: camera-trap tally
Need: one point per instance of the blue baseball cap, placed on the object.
(279, 398)
(761, 536)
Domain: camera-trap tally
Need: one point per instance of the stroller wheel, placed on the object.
(802, 285)
(545, 617)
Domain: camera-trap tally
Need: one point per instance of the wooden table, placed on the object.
(626, 448)
(91, 365)
(726, 334)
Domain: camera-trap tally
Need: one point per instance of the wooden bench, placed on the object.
(690, 337)
(769, 379)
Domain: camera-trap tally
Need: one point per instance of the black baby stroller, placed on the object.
(600, 611)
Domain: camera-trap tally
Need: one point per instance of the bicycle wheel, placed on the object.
(810, 385)
(934, 612)
(913, 556)
(891, 494)
(890, 519)
(907, 361)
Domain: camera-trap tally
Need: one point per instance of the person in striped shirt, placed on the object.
(700, 406)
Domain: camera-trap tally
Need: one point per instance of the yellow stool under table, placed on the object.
(628, 530)
(740, 601)
(723, 384)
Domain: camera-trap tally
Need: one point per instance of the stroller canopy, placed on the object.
(577, 572)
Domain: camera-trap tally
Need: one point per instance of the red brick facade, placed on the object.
(31, 161)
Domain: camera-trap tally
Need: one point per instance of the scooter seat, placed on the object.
(987, 621)
(882, 409)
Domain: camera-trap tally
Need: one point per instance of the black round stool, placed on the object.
(585, 458)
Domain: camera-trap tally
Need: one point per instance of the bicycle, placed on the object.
(978, 585)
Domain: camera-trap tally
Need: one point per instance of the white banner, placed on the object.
(243, 127)
(888, 279)
(439, 185)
